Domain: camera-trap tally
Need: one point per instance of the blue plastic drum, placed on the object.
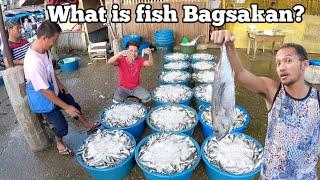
(185, 101)
(314, 62)
(69, 64)
(117, 172)
(184, 175)
(214, 172)
(185, 82)
(207, 130)
(1, 77)
(136, 129)
(188, 131)
(202, 57)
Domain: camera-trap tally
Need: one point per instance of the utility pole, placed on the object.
(14, 81)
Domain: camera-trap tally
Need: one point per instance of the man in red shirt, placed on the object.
(129, 68)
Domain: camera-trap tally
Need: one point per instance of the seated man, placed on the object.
(17, 45)
(129, 68)
(39, 71)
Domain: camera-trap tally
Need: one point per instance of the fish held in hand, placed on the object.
(223, 96)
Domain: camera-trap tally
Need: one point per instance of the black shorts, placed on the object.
(56, 118)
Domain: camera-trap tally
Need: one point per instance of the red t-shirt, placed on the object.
(129, 73)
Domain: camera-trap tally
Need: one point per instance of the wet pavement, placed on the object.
(92, 86)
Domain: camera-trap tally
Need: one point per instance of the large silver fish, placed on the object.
(223, 96)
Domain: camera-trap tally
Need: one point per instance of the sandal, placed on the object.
(94, 128)
(66, 152)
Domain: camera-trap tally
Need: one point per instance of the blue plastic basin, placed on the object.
(188, 131)
(135, 130)
(185, 82)
(207, 130)
(214, 172)
(182, 69)
(144, 45)
(117, 172)
(1, 81)
(198, 100)
(69, 64)
(167, 58)
(186, 101)
(163, 48)
(184, 175)
(1, 78)
(314, 62)
(210, 57)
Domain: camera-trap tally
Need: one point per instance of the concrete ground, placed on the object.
(92, 86)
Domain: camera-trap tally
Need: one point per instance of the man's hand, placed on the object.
(62, 88)
(72, 111)
(150, 62)
(222, 36)
(113, 60)
(123, 53)
(127, 54)
(147, 51)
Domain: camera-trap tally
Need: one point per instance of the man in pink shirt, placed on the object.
(129, 68)
(39, 71)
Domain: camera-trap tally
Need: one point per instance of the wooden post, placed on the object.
(113, 36)
(13, 78)
(108, 5)
(118, 26)
(5, 40)
(29, 122)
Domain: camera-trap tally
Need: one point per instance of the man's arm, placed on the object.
(18, 62)
(149, 62)
(15, 62)
(61, 85)
(72, 111)
(5, 61)
(113, 60)
(261, 85)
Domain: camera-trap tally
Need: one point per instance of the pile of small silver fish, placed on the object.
(204, 92)
(203, 65)
(168, 153)
(172, 118)
(123, 114)
(203, 57)
(176, 57)
(176, 65)
(105, 149)
(233, 154)
(238, 119)
(172, 93)
(203, 76)
(174, 76)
